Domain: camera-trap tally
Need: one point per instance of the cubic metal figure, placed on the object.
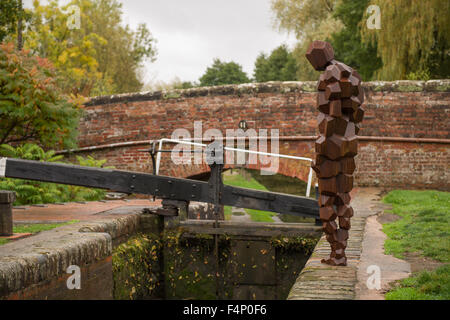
(339, 101)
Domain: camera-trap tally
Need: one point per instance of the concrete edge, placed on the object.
(319, 281)
(48, 254)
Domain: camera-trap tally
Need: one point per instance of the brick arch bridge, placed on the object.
(404, 140)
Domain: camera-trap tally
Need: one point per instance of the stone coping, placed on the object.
(46, 255)
(442, 85)
(318, 281)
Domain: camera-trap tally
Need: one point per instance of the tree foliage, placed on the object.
(413, 40)
(100, 57)
(221, 73)
(32, 107)
(10, 14)
(280, 65)
(347, 43)
(309, 20)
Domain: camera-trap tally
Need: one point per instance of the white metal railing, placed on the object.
(286, 156)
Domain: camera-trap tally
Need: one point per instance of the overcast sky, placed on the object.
(192, 33)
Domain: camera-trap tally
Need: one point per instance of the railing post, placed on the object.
(6, 219)
(316, 188)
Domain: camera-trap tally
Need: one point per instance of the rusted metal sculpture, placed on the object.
(339, 101)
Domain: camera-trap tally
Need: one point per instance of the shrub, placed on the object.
(32, 106)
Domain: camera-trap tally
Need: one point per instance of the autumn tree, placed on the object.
(100, 56)
(32, 106)
(309, 20)
(12, 20)
(221, 73)
(414, 39)
(280, 65)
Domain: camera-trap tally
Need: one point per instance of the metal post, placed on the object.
(318, 221)
(215, 159)
(6, 219)
(308, 187)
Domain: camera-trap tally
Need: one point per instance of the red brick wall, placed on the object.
(96, 284)
(393, 109)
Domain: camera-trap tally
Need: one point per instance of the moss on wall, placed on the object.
(190, 265)
(137, 269)
(179, 265)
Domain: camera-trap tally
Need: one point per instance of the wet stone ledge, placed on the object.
(318, 281)
(36, 267)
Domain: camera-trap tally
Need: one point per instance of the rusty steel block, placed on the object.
(356, 85)
(339, 253)
(345, 70)
(346, 88)
(358, 115)
(334, 244)
(344, 182)
(339, 100)
(335, 108)
(323, 104)
(344, 223)
(347, 165)
(341, 235)
(329, 125)
(327, 169)
(327, 213)
(335, 261)
(360, 95)
(356, 74)
(333, 91)
(327, 186)
(349, 87)
(350, 105)
(332, 239)
(351, 147)
(342, 198)
(334, 147)
(320, 54)
(351, 130)
(325, 201)
(329, 227)
(332, 74)
(321, 84)
(344, 211)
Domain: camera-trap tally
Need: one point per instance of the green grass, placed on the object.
(37, 227)
(284, 184)
(227, 212)
(249, 182)
(424, 228)
(238, 180)
(426, 285)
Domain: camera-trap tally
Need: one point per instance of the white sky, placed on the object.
(192, 33)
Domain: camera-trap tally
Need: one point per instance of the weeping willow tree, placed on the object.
(309, 20)
(414, 38)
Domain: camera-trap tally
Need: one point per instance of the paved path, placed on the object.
(364, 248)
(373, 257)
(88, 211)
